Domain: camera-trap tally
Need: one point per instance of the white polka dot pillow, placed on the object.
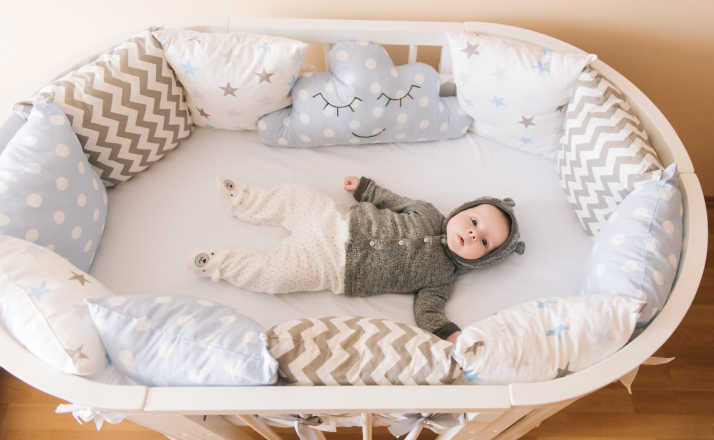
(42, 306)
(365, 99)
(232, 79)
(637, 252)
(546, 338)
(516, 92)
(181, 340)
(48, 192)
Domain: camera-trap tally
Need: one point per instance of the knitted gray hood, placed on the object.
(511, 245)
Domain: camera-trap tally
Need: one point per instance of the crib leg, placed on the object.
(178, 427)
(488, 425)
(367, 426)
(532, 420)
(259, 427)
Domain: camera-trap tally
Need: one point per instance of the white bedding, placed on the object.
(160, 218)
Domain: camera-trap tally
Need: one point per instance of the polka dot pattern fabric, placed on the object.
(165, 340)
(365, 99)
(49, 194)
(637, 252)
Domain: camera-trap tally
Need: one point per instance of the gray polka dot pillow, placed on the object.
(365, 99)
(180, 340)
(49, 194)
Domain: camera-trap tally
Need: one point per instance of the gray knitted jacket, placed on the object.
(395, 246)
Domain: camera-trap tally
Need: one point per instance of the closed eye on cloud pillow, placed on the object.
(365, 99)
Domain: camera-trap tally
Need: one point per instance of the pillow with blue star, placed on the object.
(231, 79)
(365, 99)
(516, 92)
(546, 338)
(42, 306)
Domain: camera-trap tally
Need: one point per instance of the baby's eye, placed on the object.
(485, 243)
(474, 222)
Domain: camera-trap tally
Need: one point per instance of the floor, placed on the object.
(675, 401)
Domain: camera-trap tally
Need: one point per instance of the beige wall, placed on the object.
(665, 47)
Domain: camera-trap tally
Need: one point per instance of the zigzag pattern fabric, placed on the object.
(360, 351)
(605, 152)
(126, 107)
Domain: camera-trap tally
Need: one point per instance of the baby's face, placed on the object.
(474, 232)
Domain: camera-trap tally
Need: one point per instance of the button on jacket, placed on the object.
(395, 246)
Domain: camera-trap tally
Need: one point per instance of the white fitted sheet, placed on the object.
(159, 219)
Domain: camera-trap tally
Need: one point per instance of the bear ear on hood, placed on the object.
(520, 248)
(509, 202)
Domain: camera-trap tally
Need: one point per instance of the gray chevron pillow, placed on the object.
(126, 108)
(605, 152)
(360, 351)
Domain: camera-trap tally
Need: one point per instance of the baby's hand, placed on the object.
(452, 337)
(351, 183)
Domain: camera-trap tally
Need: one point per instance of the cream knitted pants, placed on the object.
(311, 258)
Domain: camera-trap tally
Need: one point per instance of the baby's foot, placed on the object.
(207, 264)
(230, 191)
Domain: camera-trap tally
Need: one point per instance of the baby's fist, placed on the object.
(351, 183)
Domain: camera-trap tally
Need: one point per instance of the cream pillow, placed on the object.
(515, 91)
(42, 306)
(233, 78)
(546, 339)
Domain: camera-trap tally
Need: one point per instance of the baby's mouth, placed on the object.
(461, 239)
(367, 137)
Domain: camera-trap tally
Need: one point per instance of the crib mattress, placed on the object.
(159, 219)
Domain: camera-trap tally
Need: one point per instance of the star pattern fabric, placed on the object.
(80, 278)
(526, 121)
(512, 89)
(231, 79)
(54, 324)
(470, 49)
(546, 338)
(264, 76)
(228, 90)
(39, 291)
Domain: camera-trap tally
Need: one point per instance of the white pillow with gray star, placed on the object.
(516, 92)
(42, 306)
(231, 79)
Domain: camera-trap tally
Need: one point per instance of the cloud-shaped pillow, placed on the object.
(365, 99)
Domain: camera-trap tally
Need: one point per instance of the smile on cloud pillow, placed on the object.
(365, 99)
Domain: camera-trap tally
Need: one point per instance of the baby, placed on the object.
(387, 243)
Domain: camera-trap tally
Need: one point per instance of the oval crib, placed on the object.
(504, 412)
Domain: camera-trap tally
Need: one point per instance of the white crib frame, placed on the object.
(506, 411)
